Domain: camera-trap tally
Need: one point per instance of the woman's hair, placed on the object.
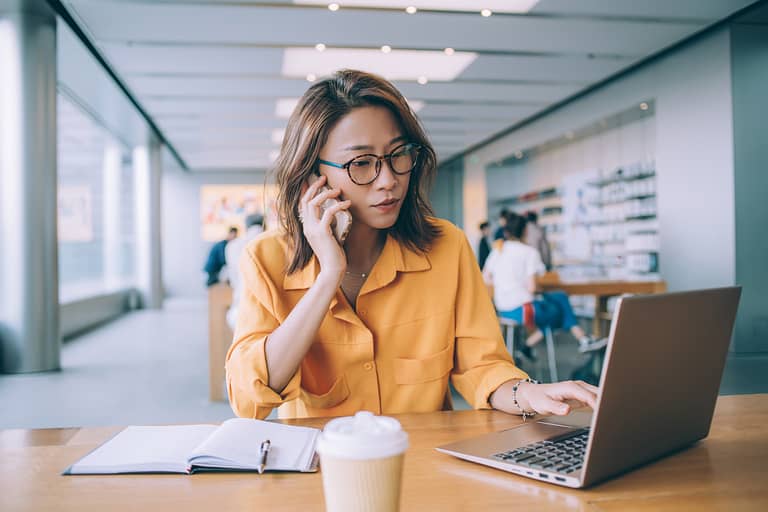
(317, 112)
(515, 226)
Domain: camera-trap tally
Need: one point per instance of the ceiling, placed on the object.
(212, 73)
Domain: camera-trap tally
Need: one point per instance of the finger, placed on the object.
(587, 386)
(323, 196)
(549, 405)
(333, 210)
(574, 391)
(312, 189)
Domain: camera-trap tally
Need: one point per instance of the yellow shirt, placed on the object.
(421, 318)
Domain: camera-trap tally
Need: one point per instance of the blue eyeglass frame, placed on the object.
(388, 157)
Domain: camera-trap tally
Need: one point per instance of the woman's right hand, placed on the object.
(316, 224)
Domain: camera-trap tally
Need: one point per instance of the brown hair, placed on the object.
(515, 226)
(317, 112)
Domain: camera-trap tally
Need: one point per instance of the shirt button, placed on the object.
(368, 366)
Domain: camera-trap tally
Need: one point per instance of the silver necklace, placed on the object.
(363, 275)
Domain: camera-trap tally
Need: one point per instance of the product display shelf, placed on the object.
(624, 229)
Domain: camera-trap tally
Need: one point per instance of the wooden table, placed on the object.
(726, 471)
(602, 290)
(219, 338)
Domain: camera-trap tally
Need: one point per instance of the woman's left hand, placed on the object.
(556, 398)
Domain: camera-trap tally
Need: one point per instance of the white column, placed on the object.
(475, 198)
(29, 281)
(147, 169)
(113, 257)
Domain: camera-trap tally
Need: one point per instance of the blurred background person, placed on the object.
(254, 226)
(512, 270)
(499, 233)
(217, 259)
(484, 247)
(537, 238)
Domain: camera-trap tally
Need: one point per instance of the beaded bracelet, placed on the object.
(525, 414)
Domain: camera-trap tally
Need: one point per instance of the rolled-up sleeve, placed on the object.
(247, 374)
(481, 361)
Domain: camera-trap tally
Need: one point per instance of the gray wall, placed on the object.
(447, 192)
(184, 251)
(750, 109)
(694, 153)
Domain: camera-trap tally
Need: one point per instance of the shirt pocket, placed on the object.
(338, 393)
(425, 369)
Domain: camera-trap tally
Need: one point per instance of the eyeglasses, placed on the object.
(364, 169)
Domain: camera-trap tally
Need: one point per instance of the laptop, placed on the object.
(660, 380)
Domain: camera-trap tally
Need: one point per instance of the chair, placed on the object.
(508, 327)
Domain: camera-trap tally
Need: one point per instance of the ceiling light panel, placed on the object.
(394, 65)
(512, 6)
(233, 23)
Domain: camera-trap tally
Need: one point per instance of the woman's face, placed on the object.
(367, 130)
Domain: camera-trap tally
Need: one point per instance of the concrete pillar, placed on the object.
(29, 289)
(147, 168)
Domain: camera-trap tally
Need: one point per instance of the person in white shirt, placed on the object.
(254, 226)
(511, 269)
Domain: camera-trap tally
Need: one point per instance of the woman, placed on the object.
(512, 269)
(383, 320)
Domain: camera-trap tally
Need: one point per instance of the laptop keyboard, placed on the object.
(561, 454)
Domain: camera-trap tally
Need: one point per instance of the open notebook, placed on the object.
(232, 446)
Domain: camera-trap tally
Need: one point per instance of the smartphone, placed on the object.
(342, 221)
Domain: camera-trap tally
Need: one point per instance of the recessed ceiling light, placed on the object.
(411, 9)
(311, 77)
(386, 48)
(320, 47)
(422, 80)
(449, 51)
(643, 106)
(396, 65)
(485, 13)
(507, 6)
(333, 7)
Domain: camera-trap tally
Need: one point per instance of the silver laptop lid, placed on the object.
(661, 377)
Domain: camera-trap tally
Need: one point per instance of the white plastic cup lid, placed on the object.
(362, 436)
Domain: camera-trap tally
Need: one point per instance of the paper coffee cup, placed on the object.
(361, 460)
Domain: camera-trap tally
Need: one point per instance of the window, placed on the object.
(95, 211)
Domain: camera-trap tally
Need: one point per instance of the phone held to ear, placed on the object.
(342, 220)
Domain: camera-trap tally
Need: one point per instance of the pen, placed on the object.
(263, 453)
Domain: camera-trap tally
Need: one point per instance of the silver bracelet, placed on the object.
(525, 414)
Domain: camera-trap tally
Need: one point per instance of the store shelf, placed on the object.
(640, 217)
(620, 179)
(608, 242)
(529, 197)
(610, 202)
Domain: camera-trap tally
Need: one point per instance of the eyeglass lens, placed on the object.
(363, 169)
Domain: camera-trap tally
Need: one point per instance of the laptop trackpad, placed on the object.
(515, 437)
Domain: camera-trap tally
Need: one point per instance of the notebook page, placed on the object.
(144, 449)
(236, 445)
